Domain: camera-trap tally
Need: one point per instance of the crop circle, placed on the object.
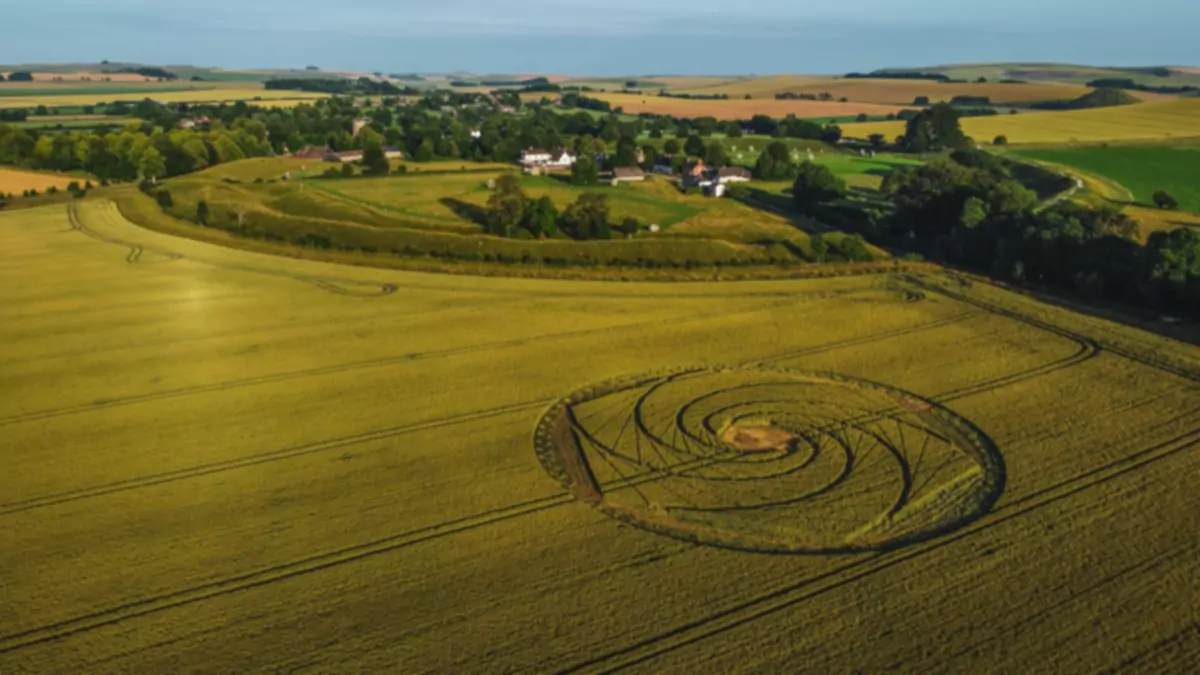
(771, 459)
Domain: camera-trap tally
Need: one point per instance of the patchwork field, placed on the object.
(1143, 170)
(896, 92)
(735, 109)
(1179, 118)
(17, 181)
(221, 461)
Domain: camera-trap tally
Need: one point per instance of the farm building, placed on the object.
(311, 152)
(344, 157)
(627, 174)
(731, 174)
(549, 159)
(392, 152)
(193, 122)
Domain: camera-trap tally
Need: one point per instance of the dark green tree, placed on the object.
(694, 146)
(375, 161)
(814, 185)
(775, 163)
(714, 155)
(933, 129)
(584, 171)
(671, 146)
(506, 207)
(587, 217)
(541, 218)
(1164, 200)
(163, 197)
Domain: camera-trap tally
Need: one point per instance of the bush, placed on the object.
(1165, 201)
(202, 212)
(163, 197)
(1000, 140)
(53, 190)
(347, 170)
(73, 186)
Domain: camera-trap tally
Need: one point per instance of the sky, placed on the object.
(603, 37)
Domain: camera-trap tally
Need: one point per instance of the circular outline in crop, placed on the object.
(557, 441)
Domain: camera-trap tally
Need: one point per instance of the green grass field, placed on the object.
(1142, 169)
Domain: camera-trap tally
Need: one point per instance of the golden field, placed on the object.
(222, 461)
(17, 181)
(269, 98)
(893, 92)
(1176, 118)
(735, 108)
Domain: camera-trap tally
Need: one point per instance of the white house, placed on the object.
(476, 134)
(535, 156)
(550, 159)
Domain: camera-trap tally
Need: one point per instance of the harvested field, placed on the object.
(17, 181)
(51, 78)
(260, 97)
(898, 92)
(222, 461)
(735, 109)
(758, 87)
(1176, 118)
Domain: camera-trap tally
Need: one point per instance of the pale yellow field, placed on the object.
(737, 108)
(40, 77)
(218, 461)
(17, 181)
(1177, 118)
(269, 98)
(758, 87)
(902, 92)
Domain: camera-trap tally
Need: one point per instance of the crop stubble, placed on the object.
(361, 491)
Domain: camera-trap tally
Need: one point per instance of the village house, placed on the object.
(627, 174)
(344, 157)
(547, 159)
(358, 125)
(311, 152)
(476, 134)
(732, 174)
(392, 152)
(193, 122)
(695, 174)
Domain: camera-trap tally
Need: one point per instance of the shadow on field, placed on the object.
(465, 210)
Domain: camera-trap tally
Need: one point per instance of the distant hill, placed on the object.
(1153, 76)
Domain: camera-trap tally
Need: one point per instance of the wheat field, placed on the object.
(1158, 120)
(220, 461)
(225, 94)
(16, 181)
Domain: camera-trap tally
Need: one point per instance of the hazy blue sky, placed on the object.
(603, 36)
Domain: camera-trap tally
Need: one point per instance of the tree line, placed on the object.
(512, 213)
(970, 210)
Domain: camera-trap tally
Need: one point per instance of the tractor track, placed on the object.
(344, 441)
(370, 363)
(775, 601)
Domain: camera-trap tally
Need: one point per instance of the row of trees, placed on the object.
(131, 154)
(512, 213)
(970, 210)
